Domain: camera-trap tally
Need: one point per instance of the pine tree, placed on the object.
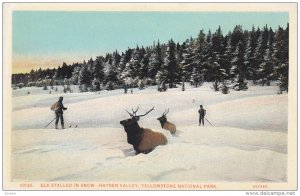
(131, 72)
(219, 75)
(98, 73)
(96, 85)
(249, 58)
(144, 71)
(218, 71)
(188, 61)
(281, 55)
(110, 72)
(183, 85)
(197, 75)
(155, 61)
(258, 59)
(125, 89)
(238, 70)
(228, 54)
(236, 37)
(266, 68)
(179, 57)
(265, 38)
(170, 66)
(224, 88)
(75, 74)
(217, 46)
(283, 77)
(90, 74)
(209, 58)
(85, 79)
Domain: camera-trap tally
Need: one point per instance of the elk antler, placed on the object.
(129, 113)
(133, 112)
(146, 112)
(166, 112)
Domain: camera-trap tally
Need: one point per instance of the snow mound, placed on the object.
(248, 142)
(194, 154)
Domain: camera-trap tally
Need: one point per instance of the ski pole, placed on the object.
(208, 121)
(50, 123)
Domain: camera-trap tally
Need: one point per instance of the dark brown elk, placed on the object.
(143, 140)
(165, 124)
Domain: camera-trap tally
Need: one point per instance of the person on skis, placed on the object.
(202, 113)
(58, 108)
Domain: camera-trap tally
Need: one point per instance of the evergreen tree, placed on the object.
(251, 44)
(258, 55)
(98, 73)
(183, 86)
(217, 46)
(179, 57)
(111, 74)
(155, 61)
(169, 71)
(131, 72)
(280, 55)
(85, 79)
(258, 59)
(188, 61)
(219, 75)
(238, 69)
(122, 64)
(218, 71)
(228, 54)
(224, 88)
(197, 78)
(197, 75)
(144, 66)
(209, 58)
(266, 68)
(75, 74)
(236, 37)
(121, 68)
(265, 38)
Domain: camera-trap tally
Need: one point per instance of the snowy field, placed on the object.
(248, 142)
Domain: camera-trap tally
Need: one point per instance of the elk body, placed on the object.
(165, 124)
(143, 140)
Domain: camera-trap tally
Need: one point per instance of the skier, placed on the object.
(58, 108)
(202, 113)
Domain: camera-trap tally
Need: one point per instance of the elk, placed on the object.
(165, 124)
(143, 140)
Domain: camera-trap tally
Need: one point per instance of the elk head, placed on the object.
(163, 117)
(134, 118)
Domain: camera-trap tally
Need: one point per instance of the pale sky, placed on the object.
(47, 38)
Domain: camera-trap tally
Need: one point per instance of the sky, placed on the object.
(46, 39)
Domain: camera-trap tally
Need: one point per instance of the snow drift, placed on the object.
(247, 143)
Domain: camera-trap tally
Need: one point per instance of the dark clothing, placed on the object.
(202, 113)
(58, 108)
(59, 116)
(201, 120)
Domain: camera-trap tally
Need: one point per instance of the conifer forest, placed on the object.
(227, 61)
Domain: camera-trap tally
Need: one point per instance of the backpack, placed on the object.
(202, 112)
(55, 106)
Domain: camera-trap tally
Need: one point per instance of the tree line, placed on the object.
(260, 55)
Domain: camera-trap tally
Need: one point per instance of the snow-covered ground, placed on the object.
(247, 143)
